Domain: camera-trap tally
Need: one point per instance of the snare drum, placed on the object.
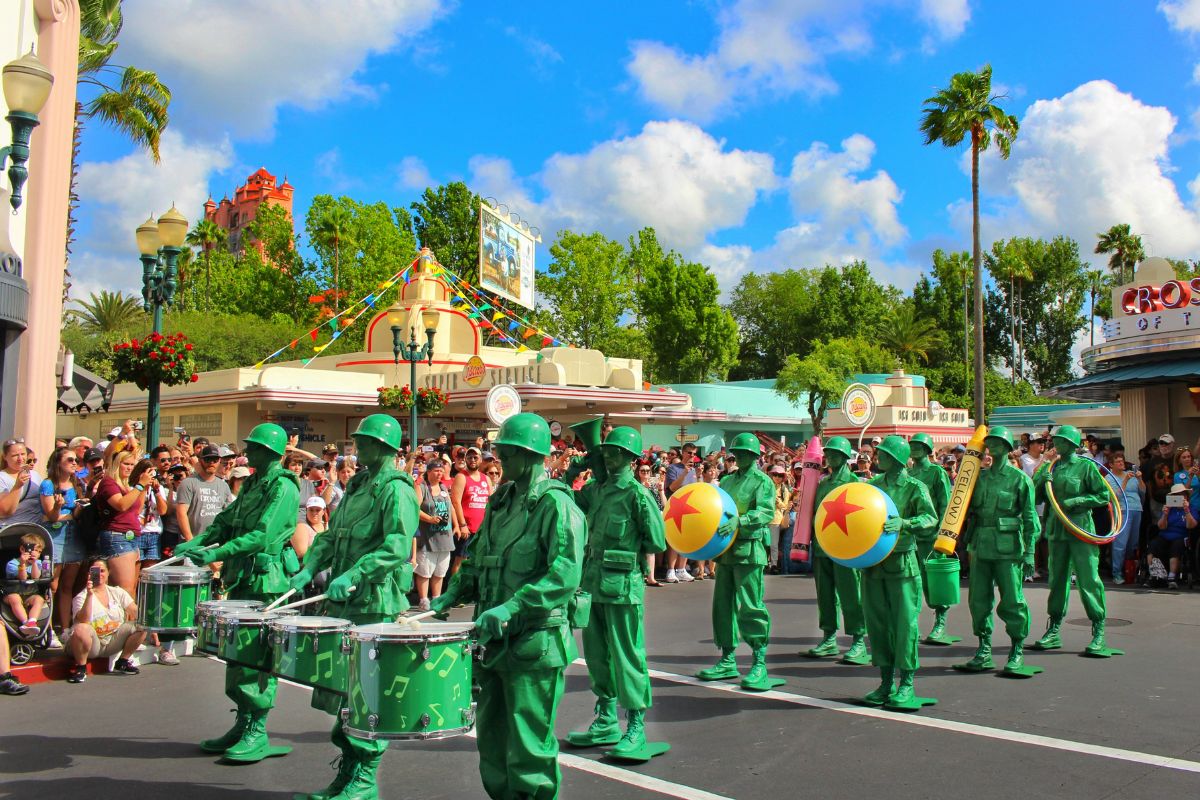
(206, 620)
(242, 637)
(168, 597)
(310, 651)
(409, 683)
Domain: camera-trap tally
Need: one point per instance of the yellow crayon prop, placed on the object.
(960, 495)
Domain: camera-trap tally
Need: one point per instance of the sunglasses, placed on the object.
(71, 460)
(210, 459)
(11, 442)
(646, 471)
(494, 474)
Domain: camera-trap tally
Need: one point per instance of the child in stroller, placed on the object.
(26, 549)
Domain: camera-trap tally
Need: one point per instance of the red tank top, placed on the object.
(474, 499)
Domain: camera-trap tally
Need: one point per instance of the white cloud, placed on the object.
(1182, 15)
(118, 195)
(259, 56)
(768, 48)
(412, 173)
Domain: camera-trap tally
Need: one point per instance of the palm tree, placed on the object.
(207, 235)
(1096, 283)
(107, 312)
(332, 231)
(1007, 263)
(1126, 248)
(965, 107)
(910, 337)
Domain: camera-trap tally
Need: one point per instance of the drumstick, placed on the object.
(280, 599)
(415, 618)
(299, 603)
(173, 559)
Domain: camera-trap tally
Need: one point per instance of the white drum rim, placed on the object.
(310, 624)
(434, 632)
(186, 576)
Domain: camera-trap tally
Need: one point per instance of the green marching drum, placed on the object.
(310, 651)
(207, 615)
(242, 637)
(168, 597)
(409, 682)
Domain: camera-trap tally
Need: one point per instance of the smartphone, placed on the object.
(138, 425)
(94, 576)
(1175, 501)
(180, 430)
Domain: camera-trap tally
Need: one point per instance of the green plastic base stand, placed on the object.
(916, 704)
(816, 652)
(857, 661)
(1040, 646)
(710, 675)
(641, 756)
(271, 752)
(1107, 652)
(945, 640)
(969, 667)
(766, 686)
(867, 700)
(585, 739)
(1024, 671)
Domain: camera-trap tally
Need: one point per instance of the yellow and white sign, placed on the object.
(858, 404)
(502, 402)
(474, 371)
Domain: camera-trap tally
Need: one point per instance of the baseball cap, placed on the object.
(177, 468)
(240, 472)
(1178, 488)
(1166, 438)
(316, 501)
(778, 470)
(226, 452)
(797, 465)
(93, 454)
(79, 440)
(115, 432)
(875, 440)
(474, 450)
(958, 448)
(314, 463)
(330, 448)
(209, 451)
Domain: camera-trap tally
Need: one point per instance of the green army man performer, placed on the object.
(938, 483)
(837, 586)
(522, 574)
(367, 551)
(1078, 488)
(1001, 529)
(624, 525)
(738, 608)
(251, 534)
(892, 588)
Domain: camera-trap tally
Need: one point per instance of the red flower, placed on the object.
(187, 347)
(195, 377)
(171, 365)
(153, 354)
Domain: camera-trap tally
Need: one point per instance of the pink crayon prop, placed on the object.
(809, 477)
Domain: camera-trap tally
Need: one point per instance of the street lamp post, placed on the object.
(160, 244)
(412, 353)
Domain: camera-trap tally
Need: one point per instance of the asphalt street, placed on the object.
(1086, 728)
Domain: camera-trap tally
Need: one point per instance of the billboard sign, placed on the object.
(505, 256)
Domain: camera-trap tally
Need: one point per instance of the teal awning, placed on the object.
(1106, 384)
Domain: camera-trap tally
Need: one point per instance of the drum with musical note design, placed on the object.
(310, 651)
(167, 599)
(207, 614)
(409, 683)
(242, 637)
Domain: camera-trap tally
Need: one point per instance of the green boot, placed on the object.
(939, 624)
(634, 739)
(1097, 645)
(827, 647)
(1050, 639)
(254, 745)
(363, 783)
(1016, 656)
(756, 678)
(345, 772)
(605, 728)
(982, 660)
(881, 694)
(904, 694)
(229, 738)
(724, 669)
(857, 654)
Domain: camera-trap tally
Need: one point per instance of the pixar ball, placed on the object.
(849, 525)
(692, 516)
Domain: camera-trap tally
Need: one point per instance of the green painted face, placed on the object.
(835, 460)
(1064, 447)
(520, 465)
(887, 464)
(745, 460)
(999, 450)
(919, 454)
(372, 453)
(616, 460)
(260, 458)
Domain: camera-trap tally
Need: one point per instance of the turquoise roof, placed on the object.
(757, 398)
(1038, 416)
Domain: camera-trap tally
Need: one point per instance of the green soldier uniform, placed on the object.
(1001, 530)
(837, 585)
(1078, 488)
(368, 547)
(624, 525)
(892, 588)
(938, 483)
(522, 573)
(738, 607)
(251, 534)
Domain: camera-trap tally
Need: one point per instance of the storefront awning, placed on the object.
(87, 389)
(1106, 385)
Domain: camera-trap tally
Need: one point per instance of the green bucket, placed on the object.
(941, 578)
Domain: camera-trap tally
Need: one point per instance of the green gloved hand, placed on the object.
(300, 580)
(189, 547)
(206, 557)
(491, 622)
(340, 587)
(893, 525)
(1027, 568)
(440, 607)
(729, 527)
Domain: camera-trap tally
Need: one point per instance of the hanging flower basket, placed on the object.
(431, 400)
(165, 359)
(398, 398)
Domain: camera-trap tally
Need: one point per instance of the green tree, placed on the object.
(943, 295)
(1185, 268)
(1124, 249)
(911, 337)
(1006, 264)
(967, 107)
(333, 230)
(1097, 284)
(207, 235)
(586, 289)
(107, 312)
(948, 387)
(446, 220)
(819, 379)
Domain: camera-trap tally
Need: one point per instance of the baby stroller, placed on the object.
(23, 646)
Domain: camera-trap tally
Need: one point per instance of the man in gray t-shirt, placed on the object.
(202, 496)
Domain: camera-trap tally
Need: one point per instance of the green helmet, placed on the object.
(839, 444)
(1068, 432)
(625, 438)
(746, 442)
(923, 439)
(527, 431)
(270, 436)
(382, 428)
(896, 447)
(1003, 434)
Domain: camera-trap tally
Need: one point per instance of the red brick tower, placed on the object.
(236, 215)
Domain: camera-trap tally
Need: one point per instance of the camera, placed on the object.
(94, 576)
(1175, 501)
(138, 425)
(179, 430)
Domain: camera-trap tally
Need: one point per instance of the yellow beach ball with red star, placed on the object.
(849, 525)
(692, 517)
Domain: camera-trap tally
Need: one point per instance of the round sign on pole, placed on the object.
(858, 404)
(474, 370)
(502, 402)
(555, 428)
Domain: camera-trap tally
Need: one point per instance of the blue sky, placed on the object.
(752, 134)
